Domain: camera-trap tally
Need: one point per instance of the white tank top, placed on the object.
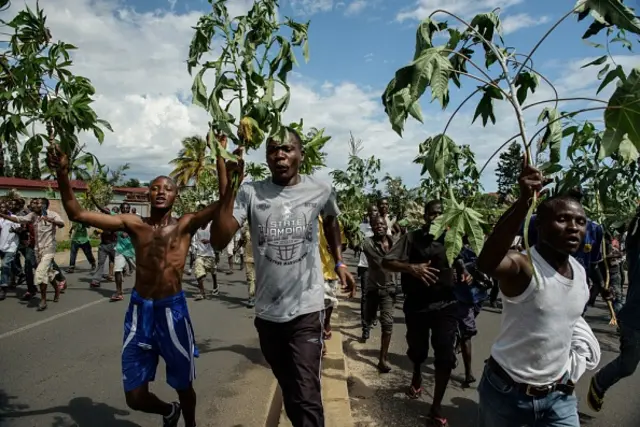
(534, 343)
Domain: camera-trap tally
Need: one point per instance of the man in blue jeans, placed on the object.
(526, 378)
(629, 319)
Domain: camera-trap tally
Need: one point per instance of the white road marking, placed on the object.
(51, 319)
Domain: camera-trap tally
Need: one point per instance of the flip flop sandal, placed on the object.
(326, 335)
(414, 393)
(436, 421)
(199, 297)
(117, 297)
(42, 306)
(56, 298)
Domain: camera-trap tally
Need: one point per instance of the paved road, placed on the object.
(379, 400)
(61, 367)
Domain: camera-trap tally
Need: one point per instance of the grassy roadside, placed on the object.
(65, 245)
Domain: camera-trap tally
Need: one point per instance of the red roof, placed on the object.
(21, 183)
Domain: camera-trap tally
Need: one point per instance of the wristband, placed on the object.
(339, 265)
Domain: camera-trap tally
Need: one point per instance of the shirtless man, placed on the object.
(157, 322)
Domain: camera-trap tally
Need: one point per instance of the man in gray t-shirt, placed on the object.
(282, 212)
(284, 237)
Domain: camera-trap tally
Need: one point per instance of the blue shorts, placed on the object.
(155, 328)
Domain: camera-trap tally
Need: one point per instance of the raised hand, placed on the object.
(531, 181)
(57, 160)
(236, 168)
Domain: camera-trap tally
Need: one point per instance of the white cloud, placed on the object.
(172, 4)
(368, 57)
(356, 7)
(513, 23)
(309, 7)
(464, 8)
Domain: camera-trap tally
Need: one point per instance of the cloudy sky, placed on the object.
(134, 51)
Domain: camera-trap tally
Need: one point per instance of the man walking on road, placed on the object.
(526, 380)
(471, 291)
(629, 319)
(249, 266)
(125, 254)
(80, 240)
(45, 224)
(430, 306)
(205, 262)
(380, 288)
(363, 268)
(157, 322)
(282, 212)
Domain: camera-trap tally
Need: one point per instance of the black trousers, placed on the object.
(363, 273)
(294, 351)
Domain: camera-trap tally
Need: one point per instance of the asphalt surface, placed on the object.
(61, 367)
(379, 400)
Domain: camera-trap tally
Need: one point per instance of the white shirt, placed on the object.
(203, 249)
(8, 239)
(534, 344)
(390, 223)
(366, 229)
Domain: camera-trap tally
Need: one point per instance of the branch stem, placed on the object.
(547, 35)
(526, 107)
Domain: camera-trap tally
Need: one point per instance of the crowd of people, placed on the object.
(287, 232)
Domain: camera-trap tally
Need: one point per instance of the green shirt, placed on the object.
(125, 246)
(80, 235)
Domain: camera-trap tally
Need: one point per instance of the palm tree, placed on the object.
(256, 171)
(193, 160)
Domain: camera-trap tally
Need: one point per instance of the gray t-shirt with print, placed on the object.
(284, 237)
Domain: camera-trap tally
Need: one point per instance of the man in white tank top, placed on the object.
(525, 381)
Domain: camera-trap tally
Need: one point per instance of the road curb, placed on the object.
(335, 393)
(274, 409)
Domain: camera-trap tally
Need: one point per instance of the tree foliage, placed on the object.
(478, 52)
(351, 186)
(40, 98)
(508, 171)
(192, 162)
(250, 73)
(205, 191)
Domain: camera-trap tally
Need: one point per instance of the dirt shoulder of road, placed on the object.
(380, 399)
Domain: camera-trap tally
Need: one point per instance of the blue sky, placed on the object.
(134, 52)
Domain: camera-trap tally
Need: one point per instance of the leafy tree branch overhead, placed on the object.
(40, 98)
(250, 72)
(478, 53)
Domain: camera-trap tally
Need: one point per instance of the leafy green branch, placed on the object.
(38, 87)
(255, 60)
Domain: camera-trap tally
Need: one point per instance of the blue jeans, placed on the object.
(504, 406)
(7, 266)
(625, 364)
(88, 254)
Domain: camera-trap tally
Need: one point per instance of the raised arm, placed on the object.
(512, 269)
(59, 161)
(18, 219)
(223, 180)
(207, 215)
